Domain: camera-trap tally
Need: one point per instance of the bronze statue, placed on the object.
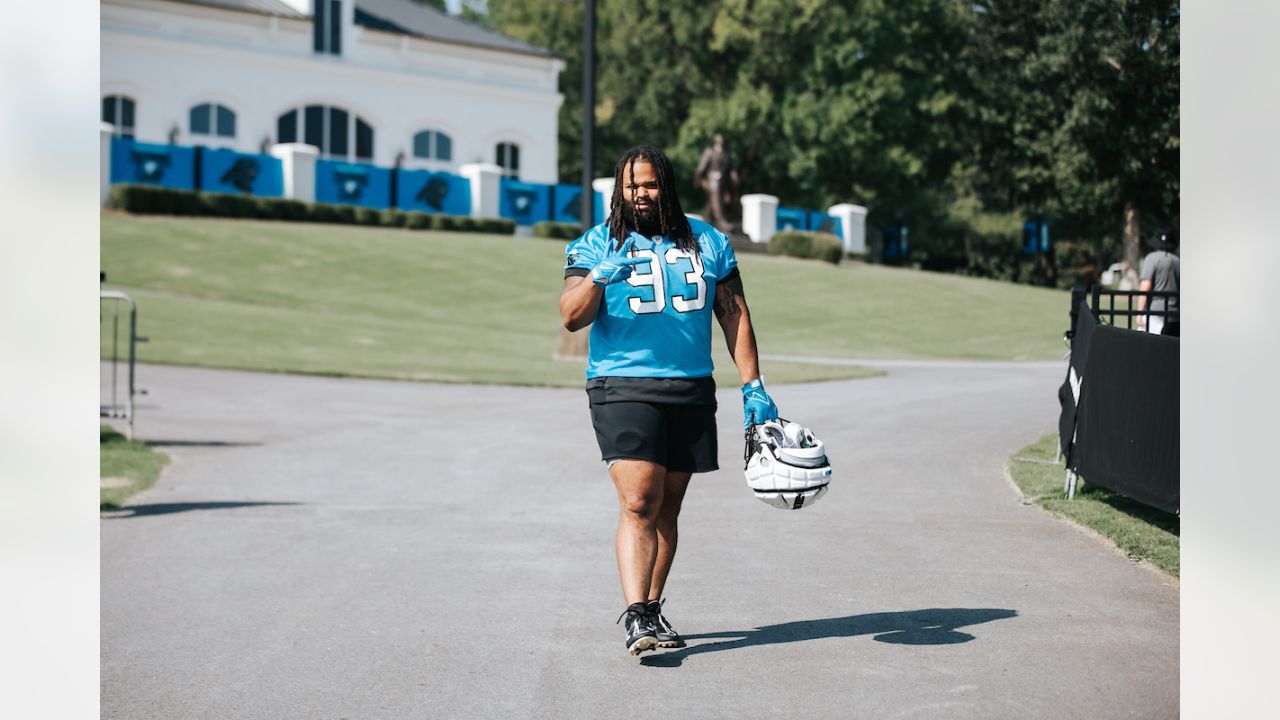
(719, 179)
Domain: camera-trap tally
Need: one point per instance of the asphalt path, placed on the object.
(336, 548)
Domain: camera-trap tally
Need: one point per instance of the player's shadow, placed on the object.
(129, 511)
(934, 626)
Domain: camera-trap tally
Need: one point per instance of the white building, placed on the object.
(382, 81)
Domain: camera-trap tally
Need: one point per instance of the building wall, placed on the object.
(171, 56)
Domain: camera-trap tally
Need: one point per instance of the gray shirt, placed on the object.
(1161, 268)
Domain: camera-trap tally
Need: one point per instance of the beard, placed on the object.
(646, 222)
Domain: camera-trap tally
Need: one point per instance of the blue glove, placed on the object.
(757, 406)
(612, 270)
(615, 267)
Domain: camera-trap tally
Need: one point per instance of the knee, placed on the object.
(641, 506)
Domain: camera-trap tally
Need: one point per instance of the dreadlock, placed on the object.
(671, 219)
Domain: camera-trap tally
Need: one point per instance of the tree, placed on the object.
(959, 118)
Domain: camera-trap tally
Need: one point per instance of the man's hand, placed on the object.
(615, 267)
(757, 406)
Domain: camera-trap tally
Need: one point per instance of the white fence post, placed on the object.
(853, 221)
(486, 188)
(298, 164)
(104, 177)
(759, 217)
(604, 186)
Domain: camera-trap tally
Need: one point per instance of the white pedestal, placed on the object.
(604, 186)
(853, 222)
(486, 188)
(298, 163)
(759, 217)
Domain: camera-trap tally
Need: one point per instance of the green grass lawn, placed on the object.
(125, 467)
(1140, 531)
(378, 302)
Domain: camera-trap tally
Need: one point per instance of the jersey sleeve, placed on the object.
(583, 254)
(726, 261)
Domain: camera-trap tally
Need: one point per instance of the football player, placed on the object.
(648, 281)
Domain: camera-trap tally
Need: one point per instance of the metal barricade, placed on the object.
(1113, 312)
(119, 406)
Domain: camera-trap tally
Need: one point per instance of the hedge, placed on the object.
(557, 230)
(807, 245)
(155, 200)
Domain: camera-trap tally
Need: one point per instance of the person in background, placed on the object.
(1160, 273)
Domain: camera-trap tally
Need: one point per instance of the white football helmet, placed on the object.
(786, 465)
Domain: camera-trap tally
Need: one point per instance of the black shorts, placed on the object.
(668, 421)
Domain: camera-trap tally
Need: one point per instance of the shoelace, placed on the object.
(636, 617)
(660, 622)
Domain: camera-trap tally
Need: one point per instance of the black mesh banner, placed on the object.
(1127, 415)
(1069, 393)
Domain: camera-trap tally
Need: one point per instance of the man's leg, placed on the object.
(640, 486)
(668, 532)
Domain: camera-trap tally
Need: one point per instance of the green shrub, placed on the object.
(154, 200)
(283, 209)
(557, 230)
(807, 245)
(229, 206)
(345, 214)
(446, 222)
(827, 247)
(792, 243)
(392, 217)
(269, 208)
(415, 220)
(368, 216)
(496, 226)
(324, 213)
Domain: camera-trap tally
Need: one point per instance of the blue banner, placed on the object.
(526, 203)
(165, 165)
(228, 171)
(1035, 236)
(895, 240)
(565, 207)
(433, 192)
(822, 222)
(346, 183)
(792, 219)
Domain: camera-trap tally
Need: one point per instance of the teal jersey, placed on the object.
(658, 322)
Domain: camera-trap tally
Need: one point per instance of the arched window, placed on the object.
(508, 158)
(213, 119)
(329, 128)
(118, 111)
(432, 145)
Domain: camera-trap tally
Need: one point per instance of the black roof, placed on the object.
(409, 18)
(403, 17)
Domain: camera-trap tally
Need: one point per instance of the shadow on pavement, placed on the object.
(129, 511)
(934, 626)
(199, 443)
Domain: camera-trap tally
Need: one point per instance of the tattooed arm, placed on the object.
(731, 310)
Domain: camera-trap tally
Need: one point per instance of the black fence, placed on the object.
(1111, 306)
(1118, 427)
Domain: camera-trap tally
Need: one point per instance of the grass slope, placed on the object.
(125, 460)
(347, 300)
(1141, 532)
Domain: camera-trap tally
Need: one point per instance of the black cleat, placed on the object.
(666, 635)
(641, 635)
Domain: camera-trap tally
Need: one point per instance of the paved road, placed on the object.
(326, 548)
